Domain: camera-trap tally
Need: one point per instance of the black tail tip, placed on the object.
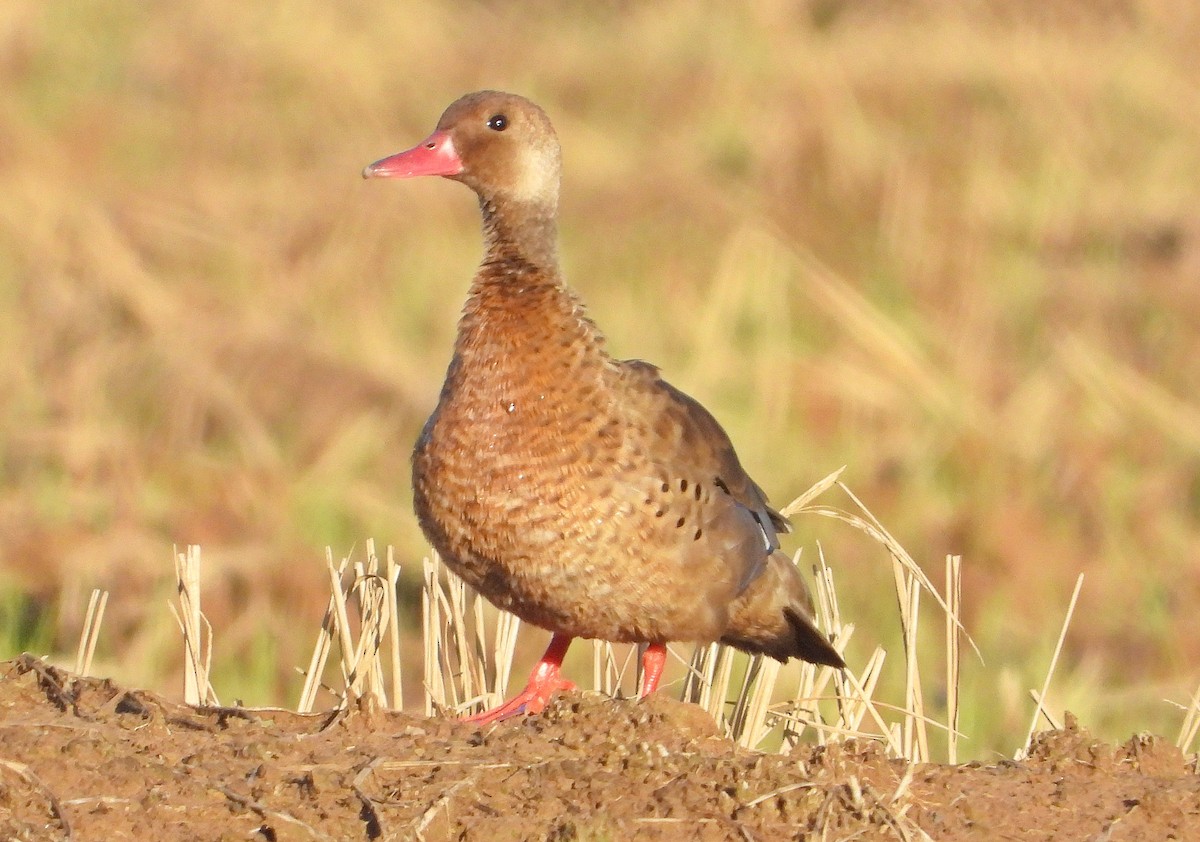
(811, 643)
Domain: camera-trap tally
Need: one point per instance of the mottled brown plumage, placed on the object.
(583, 493)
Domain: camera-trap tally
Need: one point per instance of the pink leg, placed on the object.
(653, 661)
(544, 682)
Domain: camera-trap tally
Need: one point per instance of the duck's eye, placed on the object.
(497, 122)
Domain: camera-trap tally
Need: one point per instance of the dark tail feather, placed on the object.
(811, 644)
(774, 616)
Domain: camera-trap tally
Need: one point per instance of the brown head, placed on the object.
(503, 147)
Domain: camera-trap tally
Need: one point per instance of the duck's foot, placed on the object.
(544, 682)
(530, 700)
(654, 659)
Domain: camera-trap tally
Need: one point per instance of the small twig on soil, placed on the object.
(675, 820)
(905, 783)
(107, 800)
(782, 790)
(861, 798)
(56, 694)
(390, 765)
(264, 812)
(366, 770)
(1055, 724)
(55, 807)
(429, 815)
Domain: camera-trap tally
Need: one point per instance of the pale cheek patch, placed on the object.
(537, 177)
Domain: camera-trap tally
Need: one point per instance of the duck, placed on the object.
(581, 492)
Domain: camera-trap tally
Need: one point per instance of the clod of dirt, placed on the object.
(83, 759)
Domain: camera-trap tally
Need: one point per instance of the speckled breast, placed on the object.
(547, 504)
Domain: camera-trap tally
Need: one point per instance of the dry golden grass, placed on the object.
(952, 246)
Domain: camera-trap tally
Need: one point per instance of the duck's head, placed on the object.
(500, 145)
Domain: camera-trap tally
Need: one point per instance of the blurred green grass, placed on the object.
(954, 247)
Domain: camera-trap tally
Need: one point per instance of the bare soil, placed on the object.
(84, 759)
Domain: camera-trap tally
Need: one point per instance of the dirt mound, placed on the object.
(83, 759)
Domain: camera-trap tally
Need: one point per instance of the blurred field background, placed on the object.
(953, 246)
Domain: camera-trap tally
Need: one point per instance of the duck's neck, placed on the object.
(525, 232)
(520, 315)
